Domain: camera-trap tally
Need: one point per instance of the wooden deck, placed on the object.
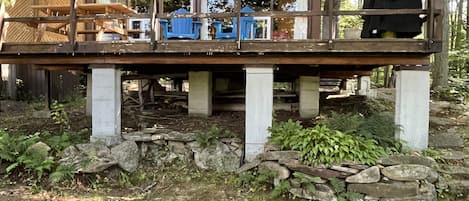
(326, 51)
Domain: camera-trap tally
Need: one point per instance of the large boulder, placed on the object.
(127, 155)
(370, 175)
(406, 172)
(88, 158)
(446, 140)
(217, 157)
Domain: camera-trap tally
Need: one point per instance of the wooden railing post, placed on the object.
(72, 35)
(430, 21)
(330, 8)
(2, 25)
(153, 11)
(237, 9)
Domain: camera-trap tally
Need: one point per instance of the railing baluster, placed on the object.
(238, 22)
(72, 35)
(331, 21)
(430, 19)
(153, 10)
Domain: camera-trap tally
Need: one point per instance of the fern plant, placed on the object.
(62, 173)
(213, 134)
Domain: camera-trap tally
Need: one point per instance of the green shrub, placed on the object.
(284, 131)
(378, 126)
(12, 147)
(321, 145)
(281, 189)
(256, 180)
(213, 134)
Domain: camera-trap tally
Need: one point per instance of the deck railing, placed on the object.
(432, 34)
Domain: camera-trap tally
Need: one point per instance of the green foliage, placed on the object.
(337, 184)
(281, 189)
(12, 147)
(61, 174)
(213, 134)
(347, 123)
(321, 145)
(256, 180)
(456, 91)
(124, 179)
(283, 132)
(378, 126)
(58, 114)
(435, 154)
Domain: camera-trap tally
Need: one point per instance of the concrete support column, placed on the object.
(259, 106)
(89, 84)
(200, 93)
(364, 85)
(106, 104)
(412, 108)
(309, 96)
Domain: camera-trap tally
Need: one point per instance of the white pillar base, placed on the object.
(364, 85)
(89, 84)
(106, 104)
(309, 96)
(259, 104)
(200, 93)
(412, 108)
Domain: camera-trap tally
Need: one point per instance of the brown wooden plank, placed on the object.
(325, 59)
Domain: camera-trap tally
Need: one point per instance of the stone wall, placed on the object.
(394, 178)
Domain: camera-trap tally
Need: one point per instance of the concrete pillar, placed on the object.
(301, 23)
(89, 84)
(200, 93)
(106, 104)
(412, 108)
(309, 96)
(259, 104)
(364, 85)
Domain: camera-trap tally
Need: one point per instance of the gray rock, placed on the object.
(160, 142)
(217, 157)
(370, 198)
(316, 171)
(143, 149)
(427, 192)
(281, 155)
(433, 176)
(195, 146)
(39, 147)
(88, 158)
(315, 180)
(231, 140)
(386, 190)
(150, 130)
(322, 193)
(127, 155)
(177, 147)
(452, 155)
(439, 106)
(456, 172)
(137, 136)
(406, 172)
(407, 159)
(370, 175)
(271, 147)
(447, 140)
(174, 136)
(466, 162)
(249, 166)
(344, 169)
(359, 167)
(280, 171)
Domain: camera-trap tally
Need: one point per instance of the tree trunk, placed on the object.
(459, 35)
(2, 15)
(440, 66)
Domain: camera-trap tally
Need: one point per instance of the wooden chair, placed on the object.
(181, 28)
(247, 25)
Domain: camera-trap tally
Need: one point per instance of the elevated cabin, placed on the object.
(283, 40)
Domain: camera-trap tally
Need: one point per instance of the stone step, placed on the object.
(446, 140)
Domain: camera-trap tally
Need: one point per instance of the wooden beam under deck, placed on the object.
(321, 59)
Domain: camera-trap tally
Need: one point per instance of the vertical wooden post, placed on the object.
(2, 24)
(237, 10)
(72, 35)
(430, 14)
(140, 94)
(330, 8)
(48, 88)
(153, 11)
